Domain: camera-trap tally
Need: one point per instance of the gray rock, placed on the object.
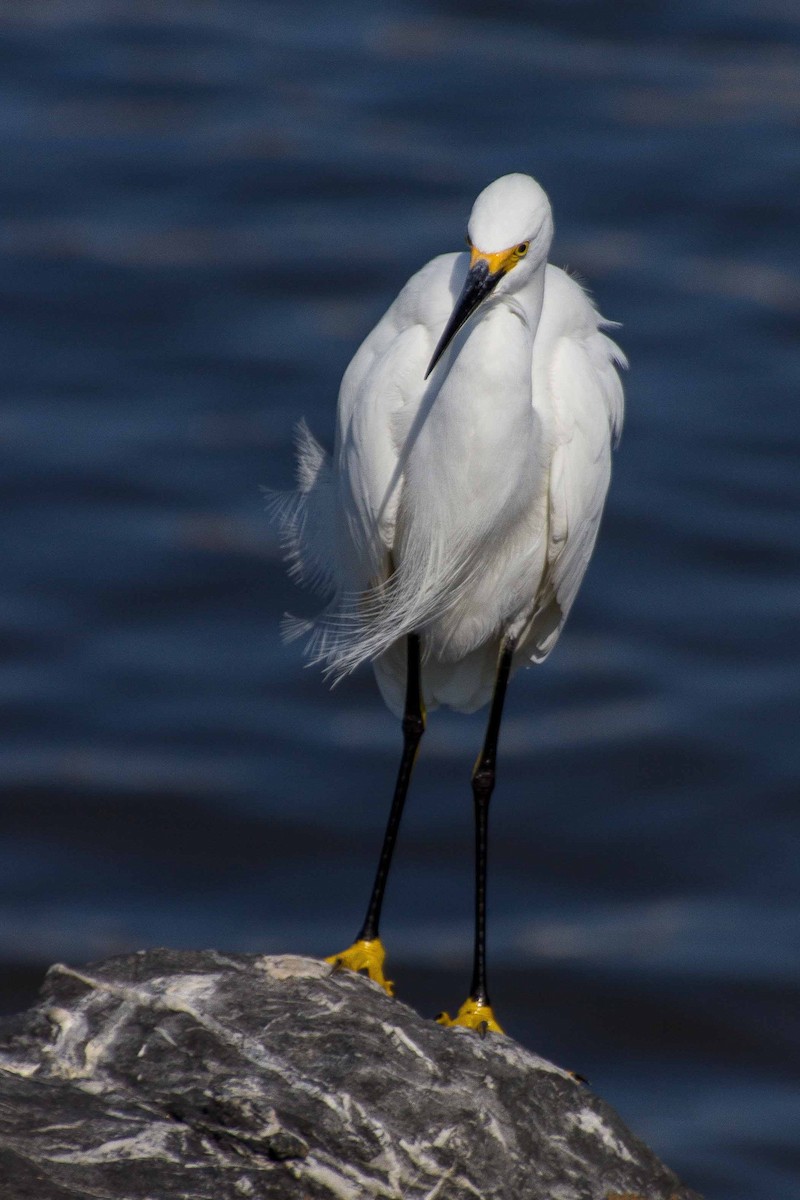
(202, 1075)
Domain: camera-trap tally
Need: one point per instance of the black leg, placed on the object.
(413, 729)
(476, 1012)
(367, 952)
(483, 780)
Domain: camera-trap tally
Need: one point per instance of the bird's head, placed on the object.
(509, 234)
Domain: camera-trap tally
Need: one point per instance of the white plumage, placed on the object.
(464, 506)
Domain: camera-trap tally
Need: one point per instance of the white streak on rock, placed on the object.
(326, 1007)
(292, 966)
(152, 1142)
(24, 1069)
(494, 1128)
(397, 1034)
(343, 1181)
(443, 1137)
(418, 1155)
(592, 1122)
(66, 1053)
(187, 991)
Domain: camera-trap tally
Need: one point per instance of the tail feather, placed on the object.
(433, 577)
(305, 517)
(356, 628)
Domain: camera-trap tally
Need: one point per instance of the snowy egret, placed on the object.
(452, 525)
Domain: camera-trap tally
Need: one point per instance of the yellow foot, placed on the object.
(475, 1015)
(364, 956)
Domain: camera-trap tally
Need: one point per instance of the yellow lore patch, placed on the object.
(502, 261)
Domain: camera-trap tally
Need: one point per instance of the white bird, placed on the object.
(451, 528)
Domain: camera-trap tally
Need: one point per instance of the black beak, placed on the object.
(477, 286)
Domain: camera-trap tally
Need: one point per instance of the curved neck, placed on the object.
(527, 301)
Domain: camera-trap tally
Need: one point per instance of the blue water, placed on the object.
(205, 208)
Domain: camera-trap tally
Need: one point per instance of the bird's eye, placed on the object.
(468, 240)
(522, 249)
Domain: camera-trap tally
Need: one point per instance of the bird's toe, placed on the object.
(473, 1014)
(365, 956)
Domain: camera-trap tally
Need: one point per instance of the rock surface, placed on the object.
(203, 1075)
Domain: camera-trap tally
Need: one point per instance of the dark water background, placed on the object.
(205, 208)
